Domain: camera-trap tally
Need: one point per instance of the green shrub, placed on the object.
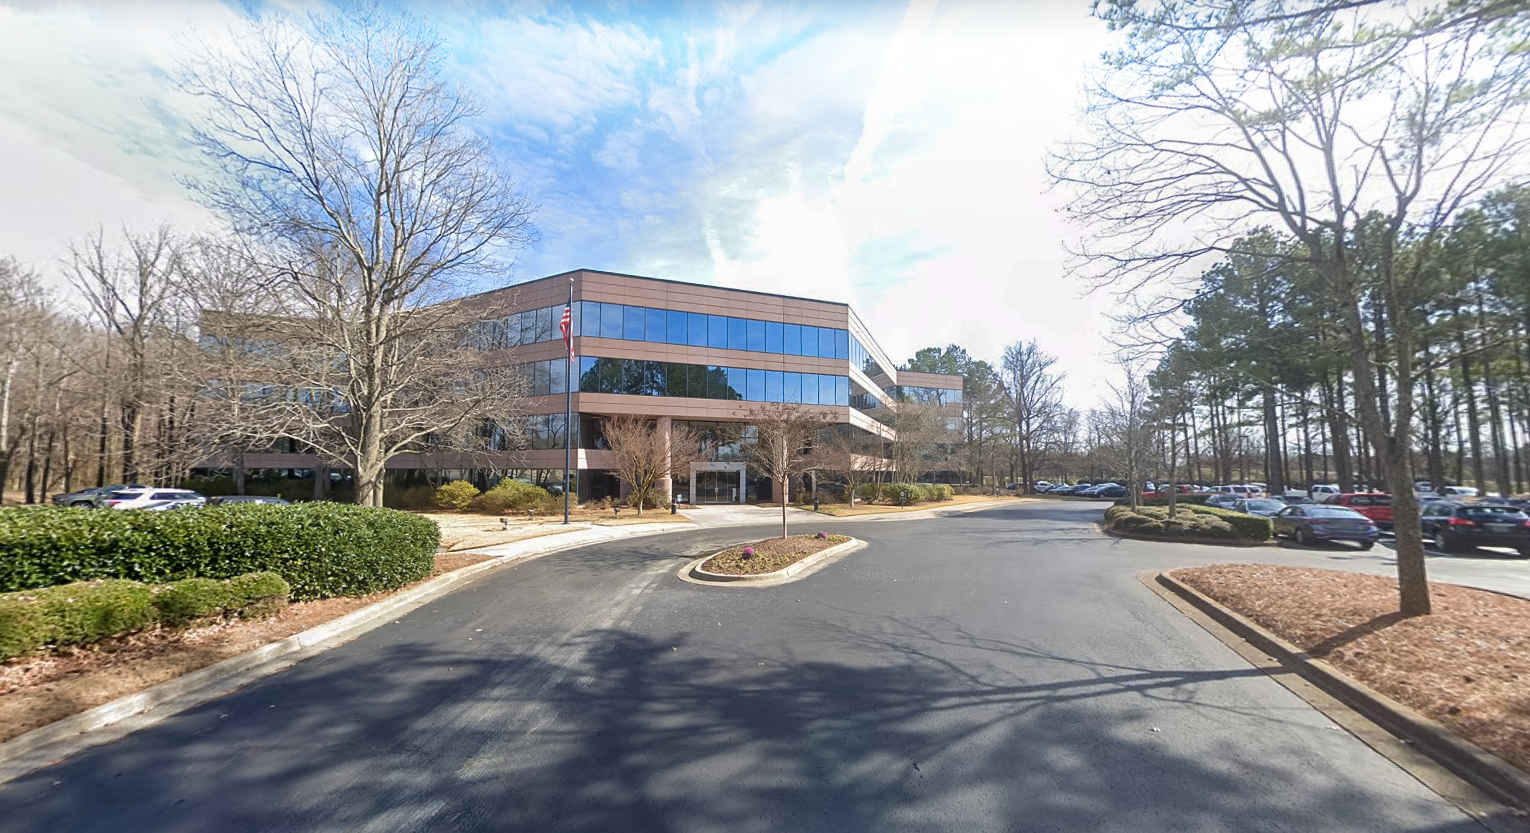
(258, 595)
(321, 549)
(457, 495)
(1198, 499)
(190, 599)
(1192, 520)
(868, 492)
(72, 614)
(941, 491)
(409, 497)
(513, 496)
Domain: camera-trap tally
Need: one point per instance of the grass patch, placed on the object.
(769, 555)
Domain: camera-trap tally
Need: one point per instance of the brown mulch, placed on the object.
(1467, 665)
(36, 691)
(770, 554)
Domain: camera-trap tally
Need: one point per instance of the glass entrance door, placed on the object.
(717, 487)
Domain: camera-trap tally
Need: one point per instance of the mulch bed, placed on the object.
(1467, 665)
(36, 691)
(770, 554)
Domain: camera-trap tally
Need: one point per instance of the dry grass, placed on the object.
(840, 510)
(770, 554)
(1467, 665)
(36, 691)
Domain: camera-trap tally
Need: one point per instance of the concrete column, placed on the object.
(666, 484)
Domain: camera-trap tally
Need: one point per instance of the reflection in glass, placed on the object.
(773, 336)
(792, 336)
(655, 326)
(757, 336)
(736, 335)
(696, 327)
(809, 341)
(633, 323)
(610, 320)
(676, 327)
(754, 385)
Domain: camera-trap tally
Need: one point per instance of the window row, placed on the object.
(861, 357)
(529, 327)
(608, 320)
(927, 396)
(636, 377)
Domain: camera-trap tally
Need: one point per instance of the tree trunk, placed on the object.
(1274, 462)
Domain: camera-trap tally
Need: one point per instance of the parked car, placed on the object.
(1306, 524)
(1222, 500)
(1240, 490)
(91, 498)
(239, 500)
(1110, 490)
(1319, 491)
(178, 503)
(1374, 505)
(140, 498)
(1263, 507)
(1460, 527)
(1293, 500)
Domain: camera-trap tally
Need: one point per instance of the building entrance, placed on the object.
(716, 487)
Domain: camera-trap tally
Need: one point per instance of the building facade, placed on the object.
(672, 351)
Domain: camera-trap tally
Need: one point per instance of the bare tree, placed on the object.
(1356, 130)
(783, 449)
(352, 166)
(1033, 391)
(642, 455)
(1126, 434)
(850, 454)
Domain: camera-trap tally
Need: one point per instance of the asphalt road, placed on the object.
(999, 670)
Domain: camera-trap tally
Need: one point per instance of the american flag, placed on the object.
(567, 328)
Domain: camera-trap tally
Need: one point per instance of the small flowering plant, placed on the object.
(822, 535)
(748, 552)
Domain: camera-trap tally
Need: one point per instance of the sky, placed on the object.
(889, 155)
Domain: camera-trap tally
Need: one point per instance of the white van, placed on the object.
(1320, 490)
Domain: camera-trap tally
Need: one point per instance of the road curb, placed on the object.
(1490, 774)
(693, 573)
(1210, 542)
(119, 718)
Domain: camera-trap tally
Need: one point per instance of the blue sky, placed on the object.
(885, 154)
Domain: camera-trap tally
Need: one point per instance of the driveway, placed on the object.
(996, 670)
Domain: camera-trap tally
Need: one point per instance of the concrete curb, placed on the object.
(1487, 772)
(121, 717)
(1210, 542)
(930, 512)
(693, 573)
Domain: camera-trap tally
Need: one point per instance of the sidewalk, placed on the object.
(576, 535)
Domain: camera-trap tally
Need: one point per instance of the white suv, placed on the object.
(142, 498)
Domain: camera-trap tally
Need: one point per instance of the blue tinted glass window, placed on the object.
(589, 318)
(610, 320)
(697, 384)
(772, 336)
(792, 390)
(736, 383)
(547, 323)
(809, 341)
(773, 386)
(792, 338)
(826, 342)
(674, 379)
(696, 329)
(841, 344)
(841, 390)
(736, 333)
(717, 331)
(654, 329)
(717, 383)
(634, 321)
(757, 337)
(559, 368)
(577, 311)
(755, 385)
(676, 327)
(810, 388)
(586, 381)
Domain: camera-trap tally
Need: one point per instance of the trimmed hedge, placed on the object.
(1196, 499)
(86, 612)
(1192, 521)
(321, 549)
(457, 495)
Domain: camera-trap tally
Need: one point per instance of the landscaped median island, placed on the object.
(1466, 666)
(770, 555)
(1192, 522)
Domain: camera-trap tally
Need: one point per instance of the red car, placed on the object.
(1374, 505)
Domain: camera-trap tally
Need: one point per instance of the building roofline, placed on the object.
(659, 280)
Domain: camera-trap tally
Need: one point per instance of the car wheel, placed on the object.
(1447, 542)
(1365, 545)
(1299, 537)
(80, 504)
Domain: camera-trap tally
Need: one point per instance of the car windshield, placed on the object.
(1506, 512)
(1333, 512)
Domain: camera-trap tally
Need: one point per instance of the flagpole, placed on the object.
(568, 407)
